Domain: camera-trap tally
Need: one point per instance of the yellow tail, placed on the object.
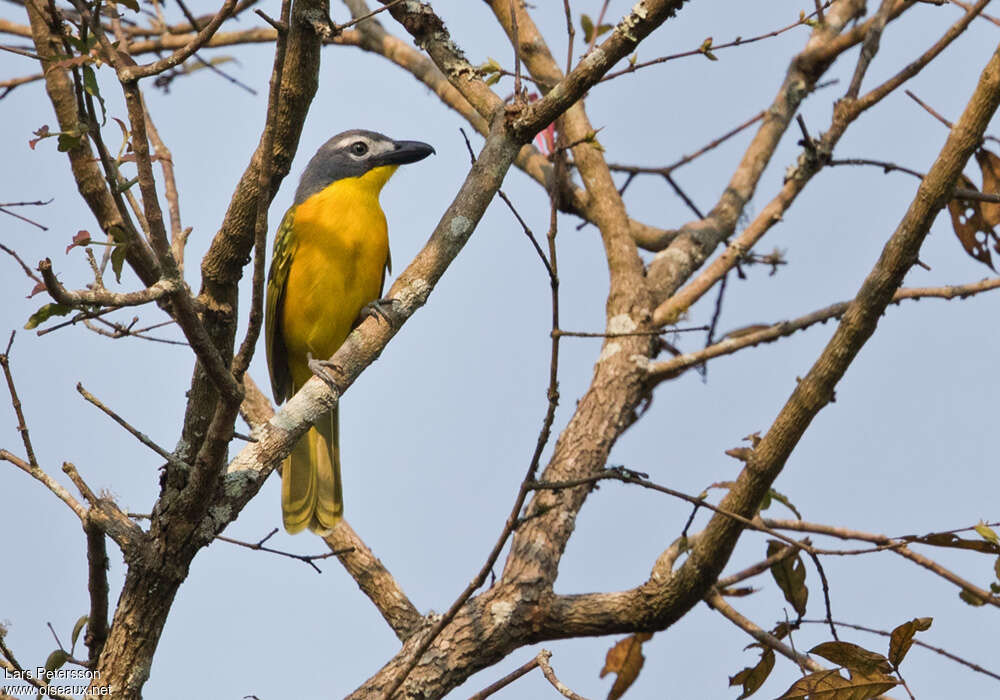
(311, 491)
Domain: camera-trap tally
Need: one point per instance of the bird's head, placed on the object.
(357, 153)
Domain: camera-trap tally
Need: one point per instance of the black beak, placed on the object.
(406, 152)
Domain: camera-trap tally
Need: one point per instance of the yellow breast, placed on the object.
(342, 245)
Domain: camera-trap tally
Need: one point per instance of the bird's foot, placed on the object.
(321, 368)
(379, 308)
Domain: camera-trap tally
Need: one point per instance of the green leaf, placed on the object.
(902, 638)
(765, 502)
(56, 660)
(77, 628)
(124, 185)
(493, 79)
(587, 25)
(987, 533)
(604, 29)
(45, 313)
(853, 657)
(790, 575)
(91, 88)
(753, 678)
(780, 498)
(491, 66)
(118, 260)
(67, 141)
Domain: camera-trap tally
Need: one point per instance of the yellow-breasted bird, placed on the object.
(331, 254)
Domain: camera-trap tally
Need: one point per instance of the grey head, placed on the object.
(352, 154)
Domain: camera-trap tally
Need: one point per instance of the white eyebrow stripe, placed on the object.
(348, 140)
(377, 147)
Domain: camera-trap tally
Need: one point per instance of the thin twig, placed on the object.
(543, 661)
(141, 437)
(714, 143)
(930, 110)
(15, 401)
(625, 334)
(506, 680)
(683, 195)
(755, 335)
(715, 47)
(309, 559)
(515, 42)
(27, 270)
(4, 208)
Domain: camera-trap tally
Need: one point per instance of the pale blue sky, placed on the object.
(437, 434)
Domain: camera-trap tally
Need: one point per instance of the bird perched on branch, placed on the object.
(331, 254)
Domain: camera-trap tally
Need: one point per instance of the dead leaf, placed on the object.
(853, 657)
(989, 165)
(902, 638)
(753, 678)
(949, 539)
(790, 575)
(625, 659)
(830, 685)
(971, 227)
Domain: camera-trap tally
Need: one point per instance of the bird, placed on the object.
(331, 255)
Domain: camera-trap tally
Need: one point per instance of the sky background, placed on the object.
(437, 434)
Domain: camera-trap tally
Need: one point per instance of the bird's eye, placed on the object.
(359, 148)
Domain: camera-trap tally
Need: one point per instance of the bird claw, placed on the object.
(321, 368)
(379, 308)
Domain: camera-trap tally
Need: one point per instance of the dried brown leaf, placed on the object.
(902, 638)
(625, 659)
(970, 226)
(752, 678)
(830, 685)
(949, 539)
(989, 165)
(851, 656)
(790, 575)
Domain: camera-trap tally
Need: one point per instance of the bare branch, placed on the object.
(101, 296)
(141, 437)
(258, 546)
(375, 581)
(719, 604)
(506, 680)
(543, 661)
(755, 335)
(128, 74)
